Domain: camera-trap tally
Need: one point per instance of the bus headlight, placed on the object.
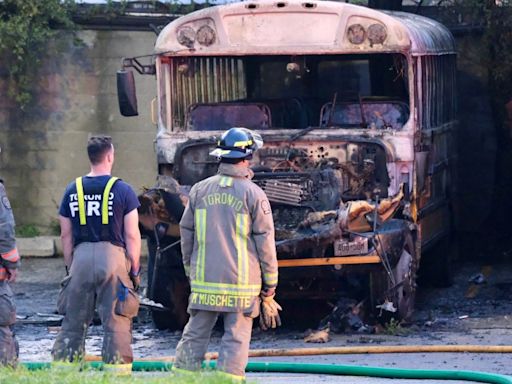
(186, 36)
(377, 34)
(205, 35)
(356, 34)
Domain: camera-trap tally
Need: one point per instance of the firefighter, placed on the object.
(229, 255)
(101, 244)
(9, 262)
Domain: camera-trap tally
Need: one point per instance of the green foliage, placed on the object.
(54, 227)
(26, 26)
(394, 328)
(499, 40)
(180, 8)
(494, 59)
(495, 18)
(110, 9)
(71, 376)
(27, 230)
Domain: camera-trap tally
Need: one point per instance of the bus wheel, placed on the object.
(170, 288)
(402, 295)
(172, 291)
(405, 277)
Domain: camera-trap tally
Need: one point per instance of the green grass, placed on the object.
(395, 328)
(90, 376)
(54, 227)
(27, 230)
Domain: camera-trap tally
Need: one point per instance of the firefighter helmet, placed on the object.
(237, 143)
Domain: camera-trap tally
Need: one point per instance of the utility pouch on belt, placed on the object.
(127, 302)
(254, 310)
(62, 299)
(7, 308)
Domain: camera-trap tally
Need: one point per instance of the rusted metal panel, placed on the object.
(427, 36)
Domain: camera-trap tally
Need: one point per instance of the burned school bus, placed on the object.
(357, 110)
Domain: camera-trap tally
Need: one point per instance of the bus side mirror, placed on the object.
(126, 93)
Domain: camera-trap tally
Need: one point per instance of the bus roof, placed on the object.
(298, 27)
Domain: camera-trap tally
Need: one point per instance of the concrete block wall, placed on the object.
(43, 148)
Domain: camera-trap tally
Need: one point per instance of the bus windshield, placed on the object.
(288, 92)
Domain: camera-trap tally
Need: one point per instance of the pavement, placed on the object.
(459, 315)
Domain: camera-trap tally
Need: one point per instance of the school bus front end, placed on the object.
(340, 108)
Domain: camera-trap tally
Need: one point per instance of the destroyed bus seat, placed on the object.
(380, 114)
(288, 113)
(222, 116)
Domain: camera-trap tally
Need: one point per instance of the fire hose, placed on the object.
(165, 363)
(353, 350)
(326, 369)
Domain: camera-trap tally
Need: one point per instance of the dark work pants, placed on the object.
(8, 344)
(98, 272)
(234, 347)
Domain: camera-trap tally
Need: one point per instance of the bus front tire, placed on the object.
(171, 290)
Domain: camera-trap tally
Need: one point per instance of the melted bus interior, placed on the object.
(290, 92)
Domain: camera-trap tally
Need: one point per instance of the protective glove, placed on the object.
(11, 275)
(135, 278)
(269, 314)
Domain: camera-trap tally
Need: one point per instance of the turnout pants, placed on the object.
(8, 343)
(98, 278)
(234, 347)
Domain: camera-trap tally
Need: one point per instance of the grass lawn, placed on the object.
(71, 376)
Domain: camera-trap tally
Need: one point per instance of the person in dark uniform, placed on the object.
(101, 245)
(9, 262)
(229, 255)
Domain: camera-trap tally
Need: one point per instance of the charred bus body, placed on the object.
(357, 110)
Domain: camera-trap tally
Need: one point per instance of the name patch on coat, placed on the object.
(216, 300)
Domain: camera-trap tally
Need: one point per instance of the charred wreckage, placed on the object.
(338, 233)
(358, 119)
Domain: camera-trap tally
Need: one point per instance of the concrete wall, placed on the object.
(43, 148)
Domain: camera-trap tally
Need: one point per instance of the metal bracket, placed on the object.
(143, 69)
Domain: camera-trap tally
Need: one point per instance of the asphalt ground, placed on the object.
(465, 313)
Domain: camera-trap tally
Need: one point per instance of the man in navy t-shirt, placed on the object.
(101, 245)
(121, 201)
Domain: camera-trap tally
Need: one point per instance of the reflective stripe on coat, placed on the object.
(227, 238)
